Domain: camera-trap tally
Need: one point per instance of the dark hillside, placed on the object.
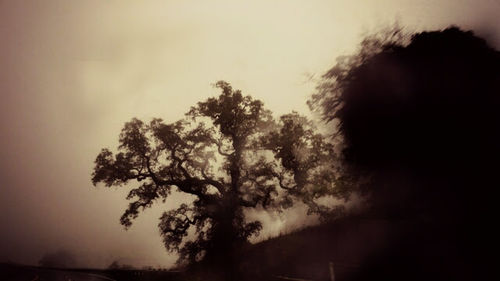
(347, 243)
(360, 249)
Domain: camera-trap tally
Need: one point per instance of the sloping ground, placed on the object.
(359, 248)
(307, 253)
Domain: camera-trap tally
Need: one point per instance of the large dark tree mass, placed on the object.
(419, 121)
(229, 154)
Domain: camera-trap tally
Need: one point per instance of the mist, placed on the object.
(72, 73)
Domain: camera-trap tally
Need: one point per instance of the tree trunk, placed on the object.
(223, 255)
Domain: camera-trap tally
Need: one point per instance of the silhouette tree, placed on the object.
(115, 265)
(419, 123)
(58, 259)
(229, 154)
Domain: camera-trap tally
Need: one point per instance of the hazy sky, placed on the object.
(72, 72)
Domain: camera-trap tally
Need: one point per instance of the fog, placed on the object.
(71, 74)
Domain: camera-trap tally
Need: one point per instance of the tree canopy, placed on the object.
(427, 106)
(230, 154)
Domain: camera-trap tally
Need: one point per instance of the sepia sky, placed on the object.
(72, 72)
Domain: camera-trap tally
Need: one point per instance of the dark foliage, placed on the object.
(420, 125)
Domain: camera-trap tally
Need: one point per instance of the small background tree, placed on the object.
(58, 259)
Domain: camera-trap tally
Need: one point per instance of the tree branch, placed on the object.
(219, 149)
(281, 184)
